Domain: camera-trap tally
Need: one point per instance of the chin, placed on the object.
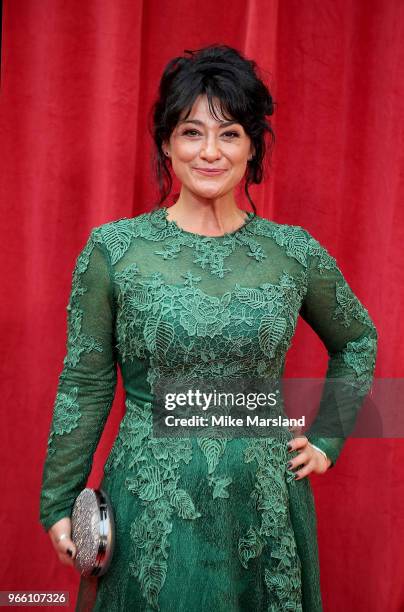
(205, 187)
(208, 193)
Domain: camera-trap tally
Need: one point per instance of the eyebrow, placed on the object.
(198, 122)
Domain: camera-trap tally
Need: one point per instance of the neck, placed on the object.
(212, 217)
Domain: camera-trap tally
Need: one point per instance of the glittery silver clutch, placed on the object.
(93, 532)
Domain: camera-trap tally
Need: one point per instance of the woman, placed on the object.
(200, 289)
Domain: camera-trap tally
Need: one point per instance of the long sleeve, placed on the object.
(343, 324)
(87, 383)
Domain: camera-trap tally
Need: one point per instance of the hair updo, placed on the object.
(219, 71)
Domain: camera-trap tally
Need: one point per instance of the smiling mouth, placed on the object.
(209, 172)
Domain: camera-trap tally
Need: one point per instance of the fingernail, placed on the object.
(289, 445)
(289, 465)
(69, 552)
(296, 476)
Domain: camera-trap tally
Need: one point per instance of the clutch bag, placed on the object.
(93, 532)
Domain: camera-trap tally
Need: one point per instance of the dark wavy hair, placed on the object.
(221, 72)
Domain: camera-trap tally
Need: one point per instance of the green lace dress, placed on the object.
(202, 525)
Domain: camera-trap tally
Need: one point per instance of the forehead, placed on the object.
(201, 114)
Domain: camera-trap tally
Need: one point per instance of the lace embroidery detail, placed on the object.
(203, 315)
(356, 356)
(155, 464)
(349, 306)
(158, 321)
(298, 243)
(212, 445)
(270, 497)
(67, 412)
(150, 544)
(66, 415)
(117, 237)
(325, 261)
(152, 318)
(210, 253)
(219, 485)
(289, 236)
(77, 341)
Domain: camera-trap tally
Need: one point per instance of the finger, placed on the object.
(66, 547)
(301, 459)
(69, 549)
(297, 443)
(322, 463)
(65, 559)
(67, 552)
(305, 470)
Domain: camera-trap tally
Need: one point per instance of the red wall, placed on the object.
(78, 79)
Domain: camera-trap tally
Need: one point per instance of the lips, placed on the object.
(209, 172)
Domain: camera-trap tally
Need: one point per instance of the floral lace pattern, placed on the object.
(356, 357)
(209, 252)
(77, 381)
(154, 468)
(270, 497)
(67, 409)
(162, 320)
(156, 319)
(77, 341)
(187, 307)
(66, 415)
(349, 307)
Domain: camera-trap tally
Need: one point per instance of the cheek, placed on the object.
(238, 155)
(185, 151)
(239, 162)
(181, 167)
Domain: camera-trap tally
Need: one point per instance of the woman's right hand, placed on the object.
(64, 546)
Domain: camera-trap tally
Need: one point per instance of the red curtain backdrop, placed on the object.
(78, 79)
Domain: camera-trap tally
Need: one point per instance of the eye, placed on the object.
(229, 134)
(236, 134)
(188, 132)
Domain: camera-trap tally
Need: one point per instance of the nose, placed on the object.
(209, 149)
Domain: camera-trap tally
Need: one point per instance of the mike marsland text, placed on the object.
(229, 421)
